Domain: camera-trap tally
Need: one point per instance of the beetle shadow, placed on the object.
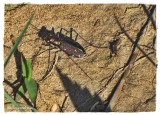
(81, 98)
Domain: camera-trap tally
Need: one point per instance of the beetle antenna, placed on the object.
(35, 27)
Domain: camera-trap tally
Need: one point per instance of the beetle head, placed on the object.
(43, 32)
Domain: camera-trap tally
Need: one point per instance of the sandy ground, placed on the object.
(66, 84)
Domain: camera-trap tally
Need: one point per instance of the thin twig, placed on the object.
(131, 40)
(113, 97)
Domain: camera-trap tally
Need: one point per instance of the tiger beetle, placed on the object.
(64, 43)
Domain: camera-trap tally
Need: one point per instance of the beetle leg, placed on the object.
(60, 32)
(76, 37)
(71, 29)
(53, 29)
(50, 65)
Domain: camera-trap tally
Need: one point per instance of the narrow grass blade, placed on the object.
(17, 41)
(33, 109)
(12, 101)
(21, 91)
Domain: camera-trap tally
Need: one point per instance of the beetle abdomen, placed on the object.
(72, 50)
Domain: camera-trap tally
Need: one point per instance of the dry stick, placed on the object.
(140, 33)
(150, 15)
(114, 75)
(62, 106)
(134, 42)
(121, 70)
(16, 7)
(117, 89)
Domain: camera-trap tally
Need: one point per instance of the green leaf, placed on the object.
(29, 69)
(13, 101)
(31, 84)
(17, 41)
(32, 88)
(24, 66)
